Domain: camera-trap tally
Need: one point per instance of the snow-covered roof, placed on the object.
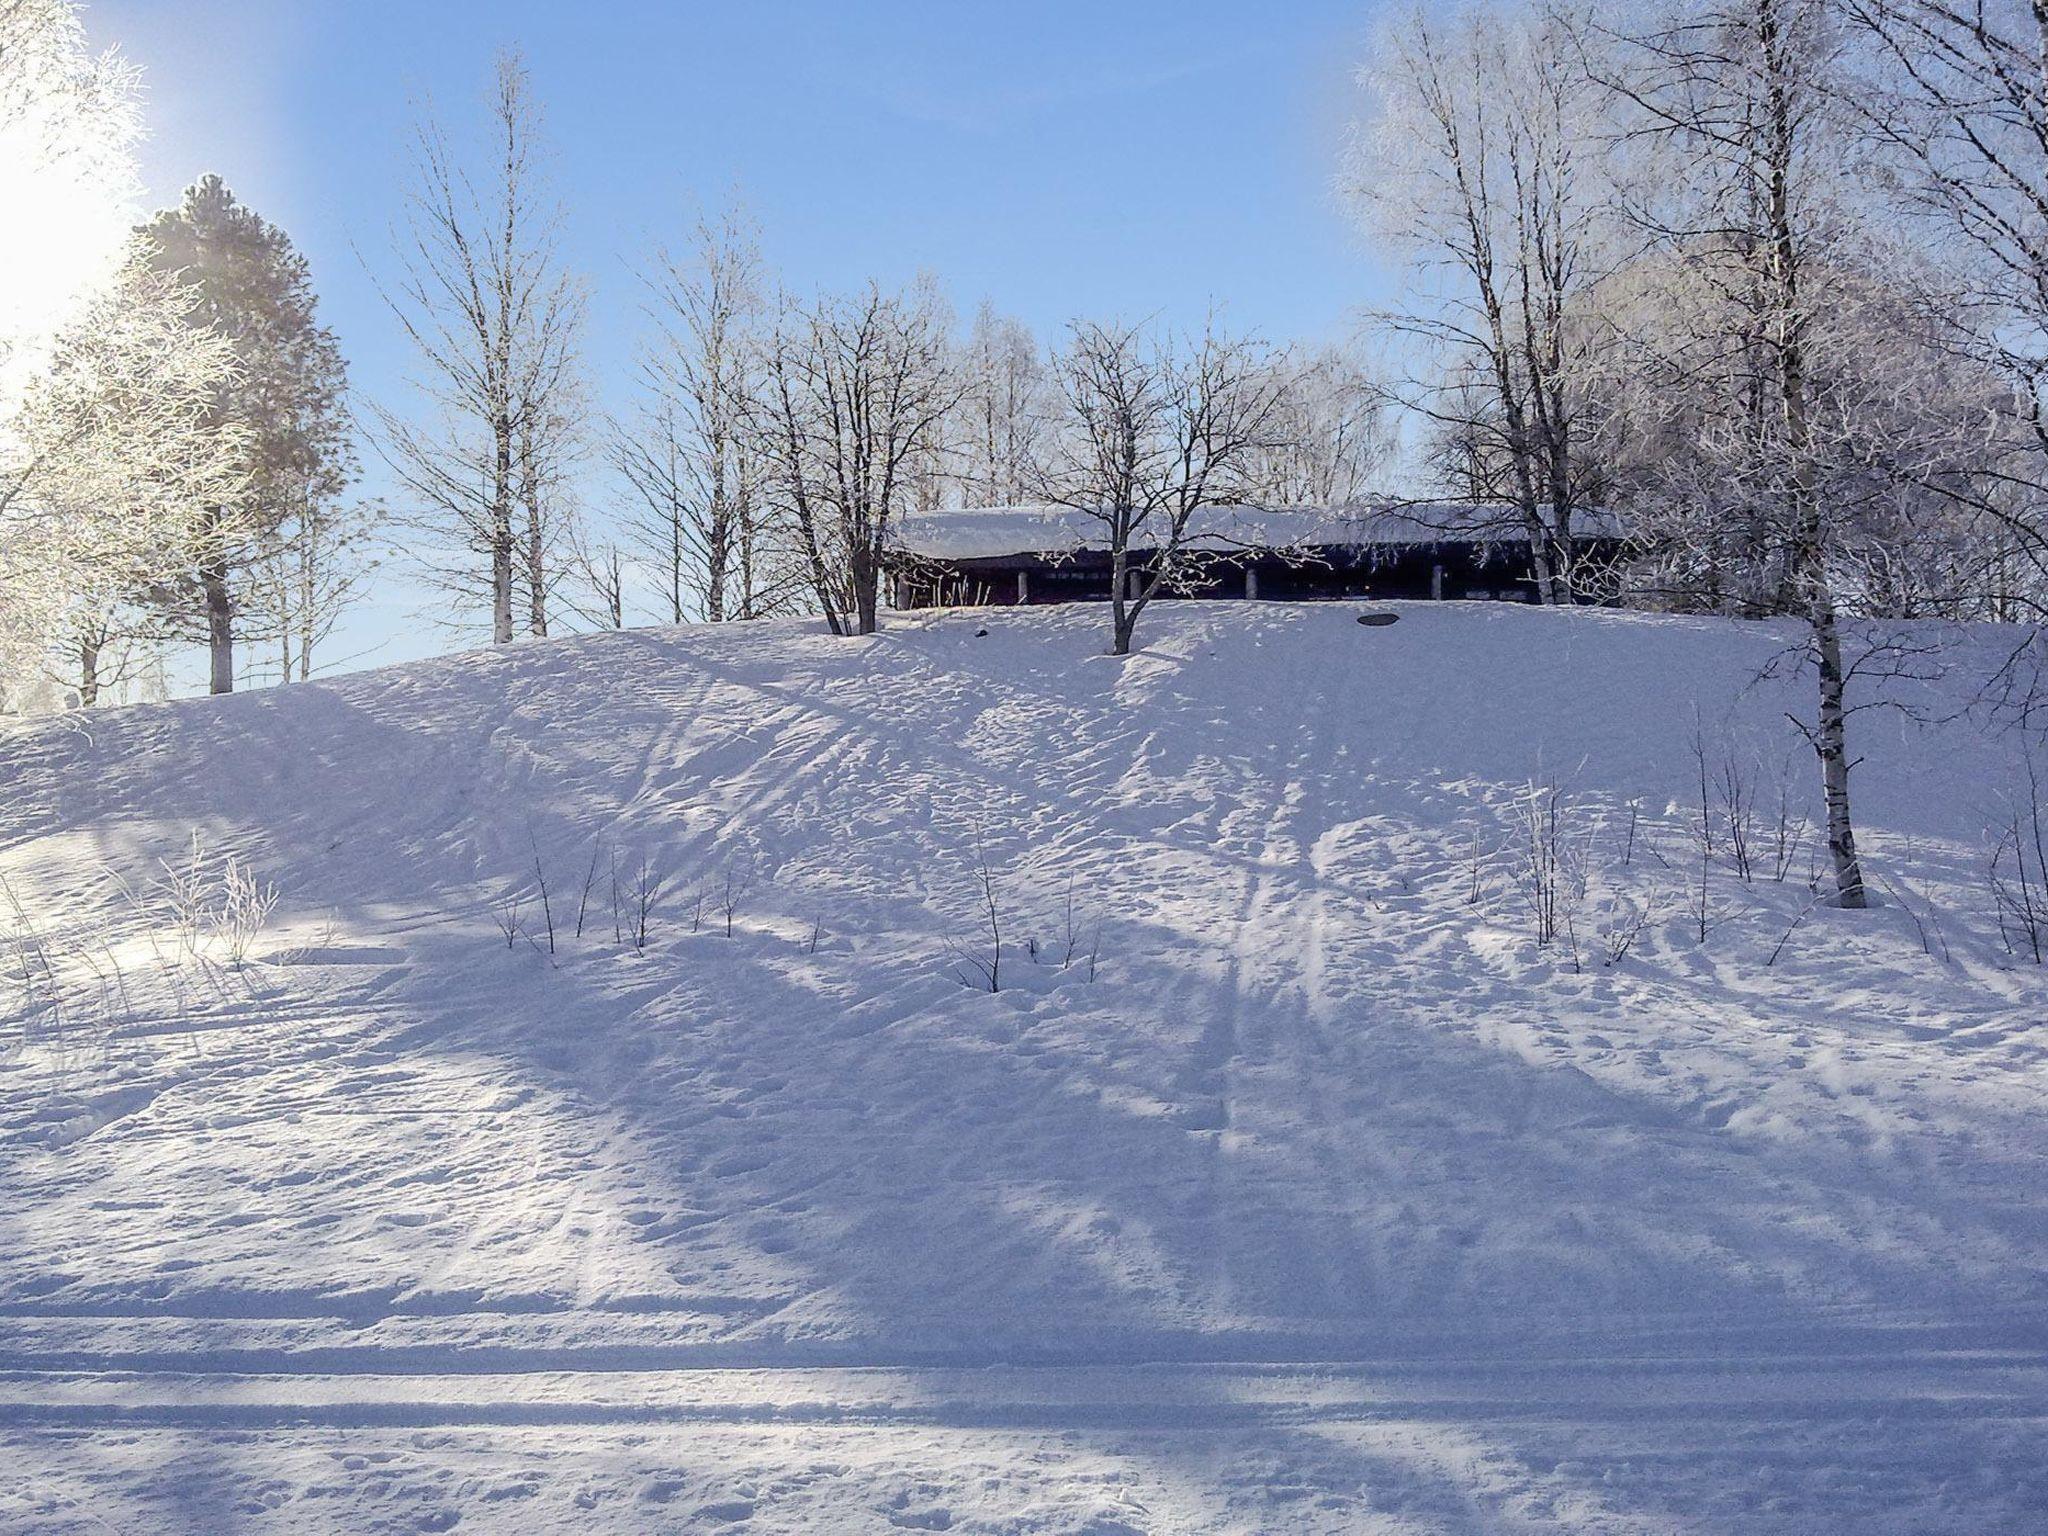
(985, 533)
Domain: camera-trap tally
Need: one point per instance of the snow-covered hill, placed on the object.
(1285, 1184)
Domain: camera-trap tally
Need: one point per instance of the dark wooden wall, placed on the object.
(1495, 571)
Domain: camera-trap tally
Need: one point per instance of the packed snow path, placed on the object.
(1287, 1185)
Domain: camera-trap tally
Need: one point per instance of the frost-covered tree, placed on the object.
(999, 427)
(1747, 199)
(1955, 97)
(1152, 427)
(1483, 163)
(287, 404)
(1331, 434)
(854, 397)
(68, 123)
(121, 462)
(494, 317)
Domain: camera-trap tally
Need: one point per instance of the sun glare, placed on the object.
(70, 214)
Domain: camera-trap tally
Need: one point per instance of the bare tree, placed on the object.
(494, 318)
(1739, 100)
(1331, 434)
(596, 592)
(1483, 161)
(1955, 94)
(856, 391)
(689, 454)
(1001, 421)
(550, 443)
(306, 579)
(1152, 429)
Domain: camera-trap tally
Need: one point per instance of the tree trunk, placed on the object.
(536, 574)
(220, 627)
(536, 539)
(1121, 620)
(501, 535)
(88, 670)
(717, 556)
(309, 596)
(1831, 742)
(864, 576)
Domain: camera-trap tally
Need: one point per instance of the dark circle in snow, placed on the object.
(1379, 620)
(980, 633)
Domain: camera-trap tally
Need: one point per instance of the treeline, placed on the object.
(1765, 279)
(1766, 276)
(182, 463)
(769, 440)
(1770, 277)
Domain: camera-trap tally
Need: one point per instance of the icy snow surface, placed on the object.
(1305, 1194)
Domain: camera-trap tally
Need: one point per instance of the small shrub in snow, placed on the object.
(583, 899)
(979, 962)
(2019, 871)
(1622, 925)
(243, 910)
(1738, 813)
(29, 972)
(186, 889)
(647, 884)
(1788, 832)
(215, 904)
(731, 891)
(1550, 866)
(540, 881)
(506, 913)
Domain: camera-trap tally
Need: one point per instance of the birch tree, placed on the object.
(119, 464)
(1956, 97)
(689, 455)
(1481, 163)
(1331, 437)
(999, 428)
(494, 316)
(322, 559)
(1740, 101)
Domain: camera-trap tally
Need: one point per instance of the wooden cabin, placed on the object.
(1010, 555)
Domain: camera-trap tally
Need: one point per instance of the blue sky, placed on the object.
(1060, 159)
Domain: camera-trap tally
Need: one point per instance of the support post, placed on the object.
(1436, 581)
(1023, 587)
(1251, 583)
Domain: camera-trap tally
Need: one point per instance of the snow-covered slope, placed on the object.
(1288, 1185)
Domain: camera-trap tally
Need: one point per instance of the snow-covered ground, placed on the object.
(1307, 1193)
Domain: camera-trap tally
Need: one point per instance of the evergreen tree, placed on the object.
(255, 290)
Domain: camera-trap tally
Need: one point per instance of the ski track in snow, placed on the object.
(1328, 1203)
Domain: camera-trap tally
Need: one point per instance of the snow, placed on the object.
(982, 533)
(1327, 1202)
